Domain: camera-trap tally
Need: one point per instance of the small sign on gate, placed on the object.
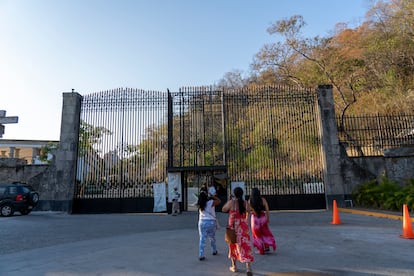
(313, 188)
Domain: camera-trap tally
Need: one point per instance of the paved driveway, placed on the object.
(51, 243)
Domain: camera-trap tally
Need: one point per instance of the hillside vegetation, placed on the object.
(370, 67)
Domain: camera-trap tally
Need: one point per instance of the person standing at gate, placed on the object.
(207, 222)
(175, 201)
(211, 189)
(239, 210)
(262, 236)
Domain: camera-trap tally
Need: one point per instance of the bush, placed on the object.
(384, 194)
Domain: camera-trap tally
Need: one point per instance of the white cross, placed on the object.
(6, 120)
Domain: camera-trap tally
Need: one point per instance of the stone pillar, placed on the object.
(35, 154)
(334, 185)
(66, 156)
(11, 152)
(17, 153)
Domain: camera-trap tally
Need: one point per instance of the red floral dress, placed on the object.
(262, 236)
(241, 250)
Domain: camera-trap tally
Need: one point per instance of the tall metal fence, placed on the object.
(370, 135)
(122, 143)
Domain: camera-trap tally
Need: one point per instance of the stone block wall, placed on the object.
(342, 173)
(43, 178)
(395, 168)
(15, 169)
(54, 182)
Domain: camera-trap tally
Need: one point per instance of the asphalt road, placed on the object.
(53, 243)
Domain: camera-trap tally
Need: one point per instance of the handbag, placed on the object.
(230, 235)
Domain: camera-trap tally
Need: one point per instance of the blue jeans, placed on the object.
(207, 229)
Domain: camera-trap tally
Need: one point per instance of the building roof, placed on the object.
(24, 143)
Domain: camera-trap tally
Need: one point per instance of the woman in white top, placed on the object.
(207, 224)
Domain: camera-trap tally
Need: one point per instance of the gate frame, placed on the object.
(66, 155)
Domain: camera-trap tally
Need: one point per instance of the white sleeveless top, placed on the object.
(209, 212)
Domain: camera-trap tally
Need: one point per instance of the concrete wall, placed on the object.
(16, 169)
(342, 173)
(396, 168)
(41, 177)
(55, 182)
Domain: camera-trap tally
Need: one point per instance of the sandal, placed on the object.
(249, 270)
(233, 269)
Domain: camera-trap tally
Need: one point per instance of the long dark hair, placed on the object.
(256, 201)
(202, 200)
(238, 193)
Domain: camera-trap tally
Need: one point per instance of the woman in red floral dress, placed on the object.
(239, 211)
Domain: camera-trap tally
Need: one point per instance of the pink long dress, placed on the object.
(241, 250)
(262, 236)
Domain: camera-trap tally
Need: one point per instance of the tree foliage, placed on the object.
(90, 135)
(47, 149)
(371, 66)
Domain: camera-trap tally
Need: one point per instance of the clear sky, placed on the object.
(48, 47)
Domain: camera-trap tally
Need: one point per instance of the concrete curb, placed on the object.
(372, 213)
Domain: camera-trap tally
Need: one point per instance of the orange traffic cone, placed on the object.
(407, 228)
(335, 217)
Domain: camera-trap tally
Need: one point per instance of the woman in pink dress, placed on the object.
(262, 236)
(239, 211)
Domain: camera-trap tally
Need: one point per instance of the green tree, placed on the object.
(47, 149)
(90, 135)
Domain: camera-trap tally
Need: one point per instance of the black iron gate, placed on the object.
(122, 151)
(273, 143)
(196, 141)
(266, 137)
